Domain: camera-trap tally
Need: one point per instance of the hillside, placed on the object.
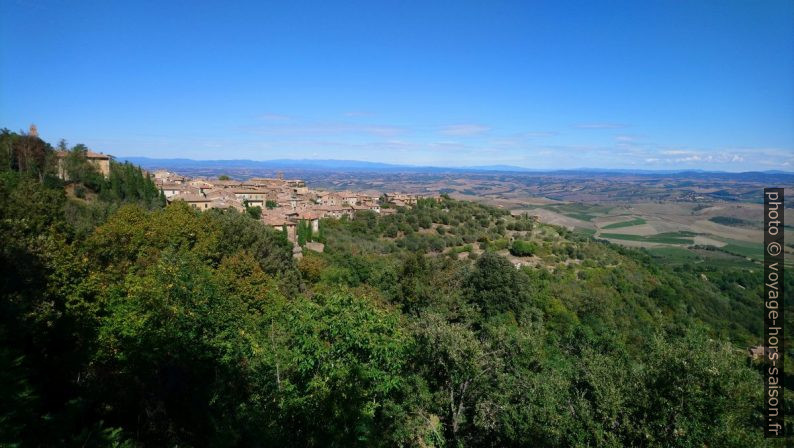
(451, 323)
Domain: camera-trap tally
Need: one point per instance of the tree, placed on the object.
(32, 155)
(348, 360)
(224, 177)
(496, 286)
(192, 380)
(458, 365)
(254, 212)
(697, 391)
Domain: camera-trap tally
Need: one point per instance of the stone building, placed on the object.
(100, 161)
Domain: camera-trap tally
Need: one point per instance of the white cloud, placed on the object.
(533, 134)
(464, 129)
(710, 158)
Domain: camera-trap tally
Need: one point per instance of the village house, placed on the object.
(197, 201)
(313, 217)
(334, 211)
(203, 185)
(168, 177)
(364, 199)
(161, 175)
(171, 190)
(329, 198)
(255, 197)
(281, 223)
(349, 198)
(401, 199)
(222, 194)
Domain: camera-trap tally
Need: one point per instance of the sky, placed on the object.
(547, 85)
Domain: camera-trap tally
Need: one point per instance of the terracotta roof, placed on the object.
(189, 197)
(309, 214)
(199, 182)
(226, 194)
(251, 190)
(331, 208)
(177, 187)
(272, 219)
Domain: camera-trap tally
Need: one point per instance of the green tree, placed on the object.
(347, 369)
(459, 366)
(496, 286)
(254, 212)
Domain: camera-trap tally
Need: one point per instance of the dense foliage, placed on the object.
(151, 326)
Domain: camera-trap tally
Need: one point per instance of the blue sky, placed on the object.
(650, 84)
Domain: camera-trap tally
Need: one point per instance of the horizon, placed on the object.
(652, 86)
(494, 168)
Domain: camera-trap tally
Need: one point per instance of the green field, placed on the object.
(618, 225)
(754, 250)
(580, 216)
(731, 221)
(682, 237)
(673, 254)
(585, 231)
(744, 249)
(711, 259)
(582, 212)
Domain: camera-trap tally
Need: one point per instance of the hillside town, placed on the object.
(284, 203)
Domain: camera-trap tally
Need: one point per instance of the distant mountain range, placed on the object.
(363, 166)
(306, 164)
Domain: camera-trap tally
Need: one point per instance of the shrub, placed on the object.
(522, 248)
